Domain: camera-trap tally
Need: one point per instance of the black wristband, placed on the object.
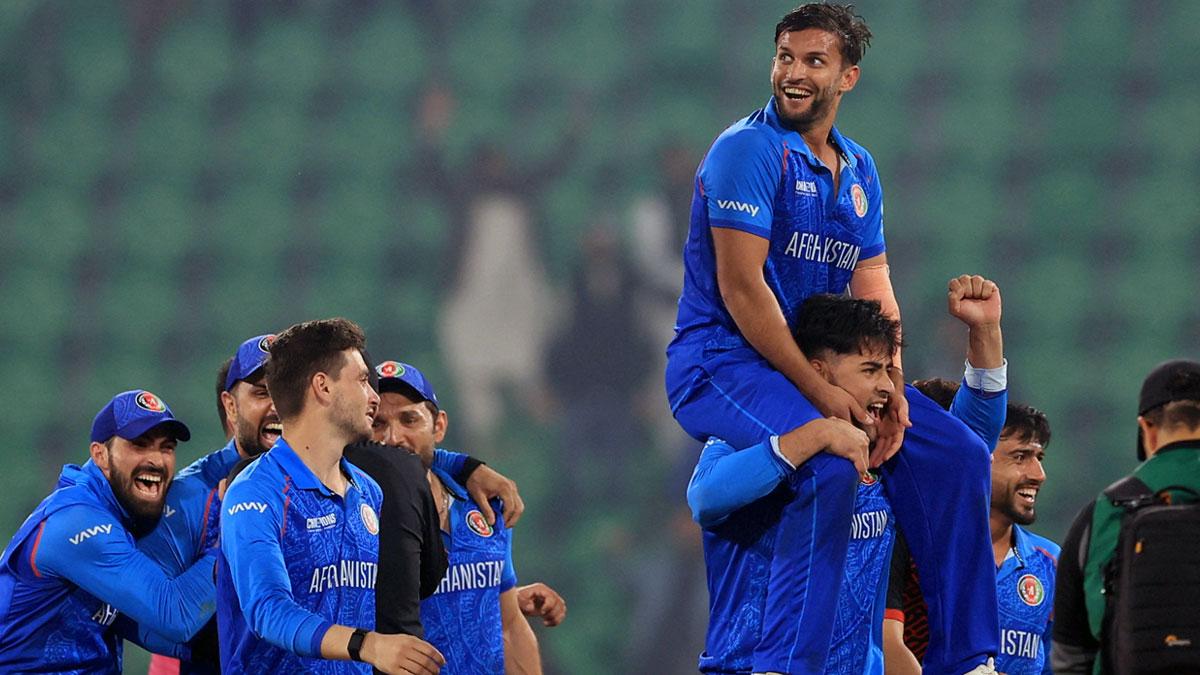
(468, 468)
(355, 644)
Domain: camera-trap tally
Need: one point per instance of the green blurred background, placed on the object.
(497, 192)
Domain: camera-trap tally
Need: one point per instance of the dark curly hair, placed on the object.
(844, 325)
(837, 19)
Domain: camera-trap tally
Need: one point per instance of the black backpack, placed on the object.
(1152, 586)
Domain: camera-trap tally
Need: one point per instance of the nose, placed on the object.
(886, 384)
(372, 397)
(1037, 471)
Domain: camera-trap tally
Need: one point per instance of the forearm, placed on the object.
(985, 346)
(758, 316)
(520, 644)
(726, 479)
(872, 281)
(898, 659)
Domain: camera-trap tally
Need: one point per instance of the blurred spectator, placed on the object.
(596, 366)
(498, 307)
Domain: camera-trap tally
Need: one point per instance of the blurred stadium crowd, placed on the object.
(499, 193)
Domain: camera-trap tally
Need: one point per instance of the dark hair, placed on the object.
(221, 375)
(844, 325)
(1026, 423)
(837, 19)
(940, 390)
(1176, 414)
(303, 350)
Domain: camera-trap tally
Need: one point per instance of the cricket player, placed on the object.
(832, 329)
(476, 617)
(300, 525)
(73, 583)
(785, 207)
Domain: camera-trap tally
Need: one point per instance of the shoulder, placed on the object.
(366, 482)
(745, 140)
(257, 482)
(77, 530)
(1041, 545)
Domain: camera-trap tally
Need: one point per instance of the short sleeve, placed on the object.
(897, 579)
(739, 179)
(872, 242)
(508, 577)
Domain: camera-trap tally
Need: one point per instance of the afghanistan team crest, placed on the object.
(148, 401)
(478, 524)
(868, 478)
(390, 369)
(859, 197)
(1030, 589)
(265, 344)
(370, 520)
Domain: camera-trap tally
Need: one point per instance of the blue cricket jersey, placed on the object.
(760, 177)
(743, 545)
(296, 559)
(857, 645)
(189, 523)
(462, 617)
(73, 582)
(1025, 594)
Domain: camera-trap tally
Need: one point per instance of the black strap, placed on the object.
(354, 646)
(1129, 493)
(468, 468)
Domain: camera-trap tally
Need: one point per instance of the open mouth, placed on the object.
(149, 484)
(270, 433)
(875, 410)
(1027, 496)
(796, 93)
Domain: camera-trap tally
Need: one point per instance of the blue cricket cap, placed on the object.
(251, 355)
(405, 379)
(131, 414)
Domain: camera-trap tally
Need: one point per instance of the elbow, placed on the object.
(700, 501)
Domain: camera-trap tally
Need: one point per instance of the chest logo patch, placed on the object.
(370, 520)
(868, 478)
(859, 197)
(148, 401)
(478, 524)
(1030, 589)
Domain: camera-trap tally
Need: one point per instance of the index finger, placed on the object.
(514, 506)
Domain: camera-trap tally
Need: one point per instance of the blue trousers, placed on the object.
(938, 486)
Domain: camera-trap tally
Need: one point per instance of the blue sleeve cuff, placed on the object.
(784, 465)
(872, 251)
(314, 642)
(757, 230)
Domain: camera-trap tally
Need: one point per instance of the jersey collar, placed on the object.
(303, 477)
(795, 141)
(450, 484)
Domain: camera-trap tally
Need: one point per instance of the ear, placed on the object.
(1149, 435)
(319, 387)
(230, 404)
(439, 426)
(849, 79)
(99, 455)
(822, 368)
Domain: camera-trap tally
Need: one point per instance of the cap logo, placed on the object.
(370, 520)
(265, 343)
(478, 524)
(1030, 589)
(390, 369)
(859, 196)
(148, 401)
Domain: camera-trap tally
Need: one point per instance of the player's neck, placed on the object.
(319, 445)
(1002, 535)
(441, 498)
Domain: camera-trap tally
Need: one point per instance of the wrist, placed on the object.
(366, 651)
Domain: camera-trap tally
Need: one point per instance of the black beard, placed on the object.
(1010, 511)
(144, 516)
(822, 102)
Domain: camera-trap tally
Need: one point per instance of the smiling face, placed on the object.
(415, 426)
(863, 374)
(139, 472)
(249, 409)
(808, 77)
(1017, 477)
